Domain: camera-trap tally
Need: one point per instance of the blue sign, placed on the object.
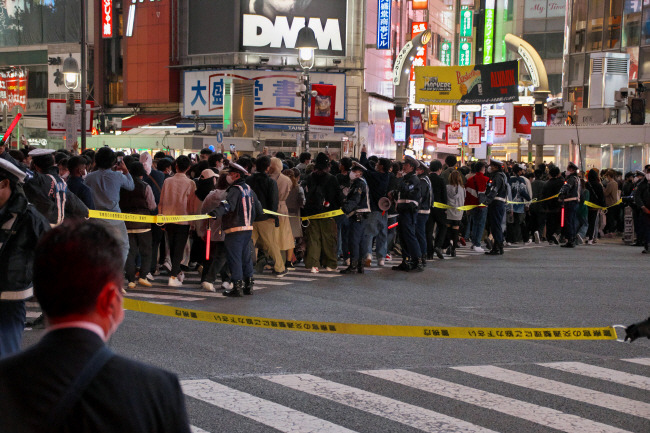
(383, 24)
(219, 137)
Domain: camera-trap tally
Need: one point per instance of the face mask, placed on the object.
(219, 167)
(647, 176)
(353, 175)
(84, 174)
(230, 180)
(489, 169)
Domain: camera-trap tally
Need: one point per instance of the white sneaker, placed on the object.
(150, 277)
(132, 285)
(227, 285)
(207, 287)
(174, 282)
(314, 270)
(537, 240)
(181, 276)
(381, 262)
(478, 249)
(529, 241)
(330, 269)
(590, 242)
(167, 265)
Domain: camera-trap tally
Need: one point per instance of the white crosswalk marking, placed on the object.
(417, 417)
(167, 297)
(195, 429)
(288, 277)
(528, 411)
(596, 372)
(272, 414)
(597, 398)
(642, 361)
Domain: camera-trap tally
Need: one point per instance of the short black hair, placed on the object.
(58, 156)
(105, 158)
(206, 151)
(305, 156)
(539, 173)
(214, 158)
(262, 163)
(90, 155)
(450, 160)
(385, 162)
(478, 166)
(346, 162)
(70, 271)
(435, 165)
(182, 163)
(163, 164)
(554, 171)
(43, 162)
(17, 155)
(76, 161)
(137, 169)
(159, 155)
(280, 155)
(246, 162)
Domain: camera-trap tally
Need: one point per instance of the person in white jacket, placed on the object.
(456, 199)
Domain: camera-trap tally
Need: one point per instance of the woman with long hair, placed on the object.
(456, 199)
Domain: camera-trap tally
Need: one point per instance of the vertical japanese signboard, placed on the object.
(465, 54)
(13, 88)
(488, 33)
(107, 18)
(466, 23)
(383, 24)
(421, 52)
(445, 53)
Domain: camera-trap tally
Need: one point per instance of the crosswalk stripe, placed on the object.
(642, 361)
(32, 314)
(263, 411)
(167, 297)
(195, 429)
(585, 395)
(596, 372)
(540, 415)
(404, 413)
(285, 278)
(321, 274)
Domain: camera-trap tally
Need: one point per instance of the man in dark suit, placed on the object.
(70, 381)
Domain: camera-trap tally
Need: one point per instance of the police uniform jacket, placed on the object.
(497, 188)
(21, 225)
(358, 199)
(642, 194)
(240, 209)
(570, 191)
(409, 194)
(426, 201)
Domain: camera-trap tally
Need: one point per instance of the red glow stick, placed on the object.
(207, 244)
(392, 226)
(11, 128)
(562, 218)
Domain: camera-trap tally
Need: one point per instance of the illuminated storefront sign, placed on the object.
(420, 5)
(107, 18)
(445, 53)
(465, 54)
(420, 52)
(488, 33)
(466, 23)
(383, 24)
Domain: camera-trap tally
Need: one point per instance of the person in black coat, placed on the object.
(596, 196)
(438, 216)
(553, 206)
(78, 287)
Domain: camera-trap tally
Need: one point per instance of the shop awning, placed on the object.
(139, 120)
(430, 138)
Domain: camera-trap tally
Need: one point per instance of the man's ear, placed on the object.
(106, 298)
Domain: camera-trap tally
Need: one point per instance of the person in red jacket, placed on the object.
(476, 186)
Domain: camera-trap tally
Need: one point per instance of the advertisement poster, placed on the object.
(499, 126)
(477, 84)
(272, 26)
(416, 122)
(323, 105)
(13, 88)
(523, 118)
(275, 91)
(474, 135)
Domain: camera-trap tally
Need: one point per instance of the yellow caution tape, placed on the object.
(535, 200)
(473, 206)
(330, 214)
(595, 206)
(154, 219)
(591, 333)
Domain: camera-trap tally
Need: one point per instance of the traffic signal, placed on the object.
(637, 111)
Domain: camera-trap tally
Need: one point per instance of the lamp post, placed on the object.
(82, 30)
(71, 81)
(306, 45)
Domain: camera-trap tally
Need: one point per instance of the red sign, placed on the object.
(107, 18)
(420, 4)
(416, 122)
(455, 125)
(13, 88)
(499, 126)
(420, 58)
(474, 135)
(56, 115)
(391, 116)
(323, 105)
(523, 118)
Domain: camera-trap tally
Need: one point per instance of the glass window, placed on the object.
(538, 41)
(645, 23)
(579, 26)
(614, 19)
(577, 70)
(631, 23)
(595, 25)
(644, 63)
(554, 45)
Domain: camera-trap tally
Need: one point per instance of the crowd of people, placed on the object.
(268, 213)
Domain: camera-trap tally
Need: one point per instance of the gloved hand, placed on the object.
(638, 330)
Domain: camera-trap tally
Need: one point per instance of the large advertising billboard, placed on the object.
(476, 84)
(272, 26)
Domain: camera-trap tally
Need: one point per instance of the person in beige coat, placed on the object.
(285, 239)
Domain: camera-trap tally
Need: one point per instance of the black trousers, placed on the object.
(592, 230)
(552, 223)
(437, 223)
(139, 244)
(157, 238)
(217, 264)
(177, 235)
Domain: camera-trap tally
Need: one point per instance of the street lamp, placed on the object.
(71, 73)
(71, 77)
(306, 44)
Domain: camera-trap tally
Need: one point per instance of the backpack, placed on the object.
(314, 197)
(51, 204)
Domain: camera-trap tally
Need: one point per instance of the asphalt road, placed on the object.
(240, 379)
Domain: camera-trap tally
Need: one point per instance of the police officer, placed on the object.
(237, 214)
(356, 207)
(570, 195)
(426, 202)
(495, 197)
(408, 197)
(21, 225)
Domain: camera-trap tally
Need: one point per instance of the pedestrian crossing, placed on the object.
(480, 398)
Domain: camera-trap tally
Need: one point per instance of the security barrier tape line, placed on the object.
(161, 219)
(330, 214)
(472, 206)
(595, 206)
(593, 333)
